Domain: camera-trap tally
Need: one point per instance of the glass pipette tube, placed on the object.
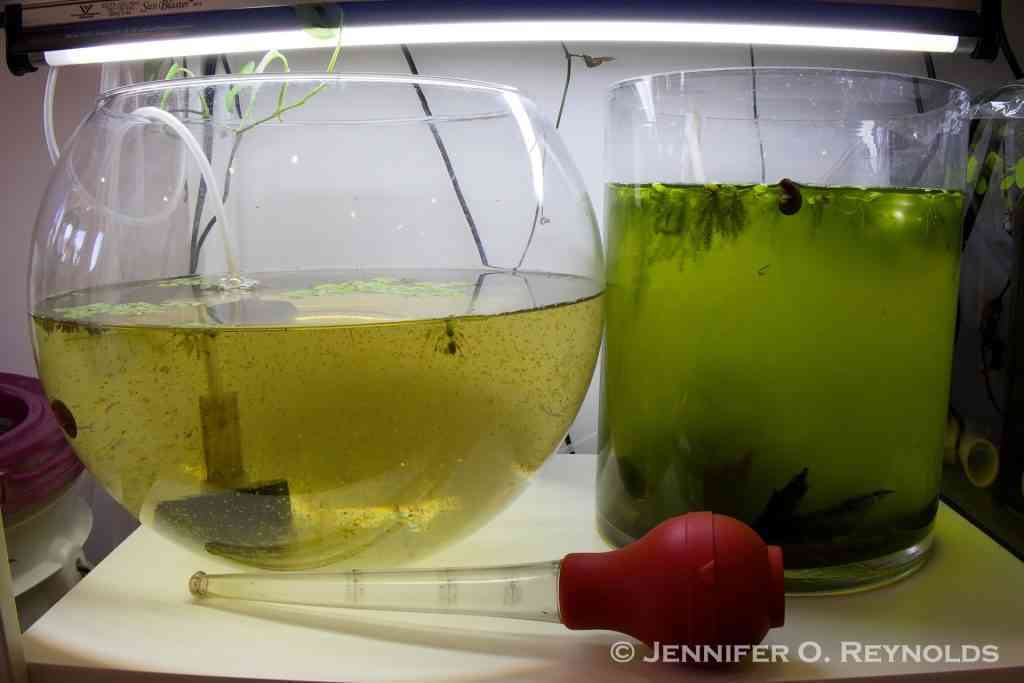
(523, 591)
(695, 579)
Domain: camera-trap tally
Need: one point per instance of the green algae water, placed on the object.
(780, 354)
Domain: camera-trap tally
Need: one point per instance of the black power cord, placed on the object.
(227, 69)
(443, 151)
(209, 68)
(565, 87)
(929, 65)
(757, 116)
(1008, 54)
(589, 60)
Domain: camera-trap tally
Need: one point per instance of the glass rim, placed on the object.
(1002, 103)
(104, 99)
(304, 77)
(864, 74)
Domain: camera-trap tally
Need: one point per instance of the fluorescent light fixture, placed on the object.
(517, 31)
(63, 32)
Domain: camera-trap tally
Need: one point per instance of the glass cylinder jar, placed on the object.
(293, 320)
(783, 247)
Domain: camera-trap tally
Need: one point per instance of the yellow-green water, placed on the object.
(320, 416)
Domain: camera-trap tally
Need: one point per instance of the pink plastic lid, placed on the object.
(36, 460)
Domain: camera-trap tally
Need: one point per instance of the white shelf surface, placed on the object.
(133, 619)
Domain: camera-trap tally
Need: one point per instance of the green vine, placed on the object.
(231, 104)
(178, 71)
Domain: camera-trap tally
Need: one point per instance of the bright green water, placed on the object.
(745, 346)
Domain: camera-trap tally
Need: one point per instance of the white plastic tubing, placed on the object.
(51, 139)
(212, 186)
(191, 145)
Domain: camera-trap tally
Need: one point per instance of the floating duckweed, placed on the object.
(381, 285)
(686, 221)
(138, 308)
(192, 281)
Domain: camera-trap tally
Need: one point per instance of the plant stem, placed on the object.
(565, 88)
(757, 117)
(538, 209)
(280, 110)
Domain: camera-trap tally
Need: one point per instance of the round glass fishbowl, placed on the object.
(298, 320)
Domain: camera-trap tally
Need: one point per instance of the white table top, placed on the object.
(133, 616)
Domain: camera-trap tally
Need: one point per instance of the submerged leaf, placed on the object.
(838, 520)
(721, 480)
(783, 503)
(779, 523)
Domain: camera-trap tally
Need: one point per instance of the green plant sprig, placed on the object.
(230, 100)
(282, 108)
(251, 67)
(172, 73)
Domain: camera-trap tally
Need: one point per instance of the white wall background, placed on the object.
(537, 69)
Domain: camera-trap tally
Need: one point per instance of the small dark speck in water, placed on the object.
(764, 269)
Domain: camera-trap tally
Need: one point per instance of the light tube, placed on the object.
(516, 32)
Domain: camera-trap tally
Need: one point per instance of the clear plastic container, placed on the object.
(984, 470)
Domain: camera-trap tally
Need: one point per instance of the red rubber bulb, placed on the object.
(697, 579)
